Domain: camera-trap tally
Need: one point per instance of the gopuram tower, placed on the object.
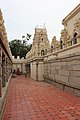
(40, 44)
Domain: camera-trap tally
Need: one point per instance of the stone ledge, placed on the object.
(3, 98)
(63, 86)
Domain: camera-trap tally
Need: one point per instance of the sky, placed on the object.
(22, 16)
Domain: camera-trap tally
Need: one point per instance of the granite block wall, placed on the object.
(64, 72)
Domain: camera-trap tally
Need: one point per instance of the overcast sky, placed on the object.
(22, 16)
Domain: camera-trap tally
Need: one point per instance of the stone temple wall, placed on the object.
(5, 64)
(64, 72)
(62, 65)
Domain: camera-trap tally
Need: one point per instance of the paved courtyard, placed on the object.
(31, 100)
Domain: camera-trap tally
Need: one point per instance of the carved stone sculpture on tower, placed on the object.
(54, 44)
(63, 39)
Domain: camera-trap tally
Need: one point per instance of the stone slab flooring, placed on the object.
(31, 100)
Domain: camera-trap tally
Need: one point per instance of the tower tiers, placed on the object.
(40, 42)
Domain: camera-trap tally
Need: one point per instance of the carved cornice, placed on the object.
(71, 14)
(3, 36)
(64, 32)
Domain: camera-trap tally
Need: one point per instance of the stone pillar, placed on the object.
(3, 70)
(7, 70)
(33, 70)
(10, 67)
(23, 70)
(37, 71)
(40, 71)
(78, 39)
(0, 72)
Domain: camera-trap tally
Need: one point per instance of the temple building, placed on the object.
(5, 62)
(40, 47)
(72, 23)
(58, 64)
(55, 63)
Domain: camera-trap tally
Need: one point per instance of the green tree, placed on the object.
(20, 47)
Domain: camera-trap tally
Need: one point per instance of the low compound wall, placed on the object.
(64, 72)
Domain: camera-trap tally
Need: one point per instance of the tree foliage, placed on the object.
(20, 47)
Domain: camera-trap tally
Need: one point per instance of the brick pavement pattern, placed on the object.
(32, 100)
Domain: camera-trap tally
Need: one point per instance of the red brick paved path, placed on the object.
(31, 100)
